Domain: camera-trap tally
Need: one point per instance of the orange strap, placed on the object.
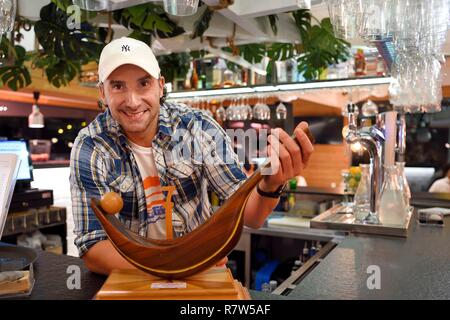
(168, 206)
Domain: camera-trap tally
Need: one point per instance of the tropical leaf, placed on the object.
(253, 53)
(202, 23)
(148, 18)
(273, 18)
(15, 76)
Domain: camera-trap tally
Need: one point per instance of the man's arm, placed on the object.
(102, 258)
(288, 159)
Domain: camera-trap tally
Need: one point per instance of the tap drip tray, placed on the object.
(340, 217)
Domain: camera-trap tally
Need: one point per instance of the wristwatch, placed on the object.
(275, 195)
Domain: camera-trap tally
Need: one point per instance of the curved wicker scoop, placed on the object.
(198, 250)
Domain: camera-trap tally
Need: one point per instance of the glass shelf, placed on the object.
(284, 87)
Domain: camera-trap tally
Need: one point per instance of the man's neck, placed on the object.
(142, 139)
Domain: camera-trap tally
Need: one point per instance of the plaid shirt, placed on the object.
(101, 161)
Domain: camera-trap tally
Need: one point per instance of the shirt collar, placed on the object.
(163, 136)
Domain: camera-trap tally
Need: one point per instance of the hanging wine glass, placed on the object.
(7, 15)
(266, 110)
(221, 113)
(281, 111)
(258, 109)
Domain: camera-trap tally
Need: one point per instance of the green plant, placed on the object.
(15, 75)
(64, 50)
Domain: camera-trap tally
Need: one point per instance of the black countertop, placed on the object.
(416, 267)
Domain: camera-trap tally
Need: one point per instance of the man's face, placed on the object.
(132, 96)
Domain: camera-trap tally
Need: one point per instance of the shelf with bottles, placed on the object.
(212, 75)
(275, 259)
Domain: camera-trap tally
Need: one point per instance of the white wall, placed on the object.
(57, 179)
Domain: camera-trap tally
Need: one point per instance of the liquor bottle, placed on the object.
(194, 78)
(187, 81)
(318, 246)
(360, 63)
(217, 74)
(228, 78)
(305, 254)
(273, 284)
(265, 287)
(312, 250)
(380, 66)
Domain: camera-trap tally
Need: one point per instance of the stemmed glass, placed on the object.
(7, 15)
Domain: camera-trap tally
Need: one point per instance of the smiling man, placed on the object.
(129, 149)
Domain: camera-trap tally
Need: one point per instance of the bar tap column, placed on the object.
(372, 139)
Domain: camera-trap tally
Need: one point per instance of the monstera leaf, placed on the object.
(64, 50)
(148, 18)
(16, 75)
(273, 18)
(202, 24)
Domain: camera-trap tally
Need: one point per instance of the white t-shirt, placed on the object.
(152, 188)
(441, 185)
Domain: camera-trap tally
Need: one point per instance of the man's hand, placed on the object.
(288, 158)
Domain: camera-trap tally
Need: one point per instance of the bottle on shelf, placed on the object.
(318, 246)
(265, 287)
(228, 78)
(273, 284)
(188, 79)
(360, 63)
(194, 77)
(217, 73)
(380, 66)
(305, 254)
(312, 250)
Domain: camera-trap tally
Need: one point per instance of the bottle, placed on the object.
(187, 81)
(360, 63)
(305, 253)
(362, 196)
(228, 77)
(318, 246)
(273, 284)
(404, 186)
(312, 250)
(217, 74)
(265, 287)
(194, 77)
(392, 207)
(380, 66)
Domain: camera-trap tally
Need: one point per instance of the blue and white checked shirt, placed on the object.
(192, 152)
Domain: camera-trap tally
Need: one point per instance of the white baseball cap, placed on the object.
(127, 51)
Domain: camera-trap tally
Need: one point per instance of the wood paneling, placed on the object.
(326, 164)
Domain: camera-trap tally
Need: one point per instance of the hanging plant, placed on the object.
(147, 20)
(16, 75)
(202, 24)
(64, 50)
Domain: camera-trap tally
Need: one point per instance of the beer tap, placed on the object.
(372, 139)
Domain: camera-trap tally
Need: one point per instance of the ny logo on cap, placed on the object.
(125, 48)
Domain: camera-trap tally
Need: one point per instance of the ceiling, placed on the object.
(251, 24)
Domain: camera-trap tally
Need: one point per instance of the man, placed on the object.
(130, 147)
(442, 185)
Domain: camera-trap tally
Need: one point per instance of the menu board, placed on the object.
(9, 167)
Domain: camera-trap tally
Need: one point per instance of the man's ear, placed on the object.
(162, 82)
(101, 91)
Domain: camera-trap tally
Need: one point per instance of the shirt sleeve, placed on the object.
(87, 180)
(220, 163)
